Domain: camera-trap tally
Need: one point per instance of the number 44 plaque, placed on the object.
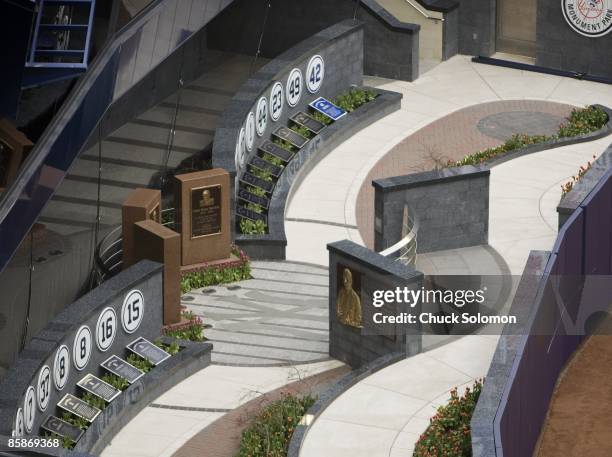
(147, 350)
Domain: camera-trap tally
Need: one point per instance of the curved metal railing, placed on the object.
(424, 12)
(108, 257)
(406, 247)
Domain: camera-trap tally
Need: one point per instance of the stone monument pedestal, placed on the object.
(140, 205)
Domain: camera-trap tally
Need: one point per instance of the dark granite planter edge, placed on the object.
(192, 358)
(314, 151)
(328, 396)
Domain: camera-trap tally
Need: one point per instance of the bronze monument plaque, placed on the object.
(205, 211)
(202, 202)
(348, 300)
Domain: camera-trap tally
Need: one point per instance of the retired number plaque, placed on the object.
(311, 124)
(62, 428)
(205, 211)
(122, 369)
(147, 350)
(292, 137)
(78, 407)
(99, 388)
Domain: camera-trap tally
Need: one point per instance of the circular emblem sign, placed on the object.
(250, 131)
(315, 74)
(106, 329)
(81, 348)
(19, 425)
(240, 149)
(276, 101)
(294, 87)
(29, 409)
(132, 311)
(261, 116)
(61, 367)
(43, 388)
(592, 18)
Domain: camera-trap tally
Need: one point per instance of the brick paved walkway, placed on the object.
(452, 138)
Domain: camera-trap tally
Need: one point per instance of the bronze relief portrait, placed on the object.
(348, 301)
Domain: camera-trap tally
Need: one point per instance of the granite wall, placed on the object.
(451, 207)
(146, 277)
(371, 271)
(391, 47)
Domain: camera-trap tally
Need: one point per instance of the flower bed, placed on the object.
(271, 430)
(237, 270)
(568, 186)
(448, 434)
(580, 122)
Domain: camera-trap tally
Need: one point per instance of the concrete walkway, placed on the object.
(384, 414)
(168, 423)
(328, 195)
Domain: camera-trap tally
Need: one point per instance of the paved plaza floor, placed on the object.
(277, 322)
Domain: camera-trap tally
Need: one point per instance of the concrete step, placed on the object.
(147, 134)
(134, 155)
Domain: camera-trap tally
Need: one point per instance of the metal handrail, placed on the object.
(408, 244)
(424, 12)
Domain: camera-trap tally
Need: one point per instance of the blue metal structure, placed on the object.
(135, 51)
(61, 41)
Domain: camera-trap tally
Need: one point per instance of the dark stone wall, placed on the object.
(560, 47)
(359, 346)
(451, 207)
(450, 34)
(477, 27)
(145, 276)
(391, 47)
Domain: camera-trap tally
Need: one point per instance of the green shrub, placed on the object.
(579, 122)
(75, 420)
(256, 191)
(65, 442)
(583, 121)
(249, 227)
(271, 430)
(93, 400)
(142, 364)
(448, 433)
(354, 98)
(284, 144)
(568, 186)
(254, 207)
(300, 130)
(115, 381)
(192, 331)
(261, 174)
(171, 349)
(322, 118)
(273, 160)
(237, 270)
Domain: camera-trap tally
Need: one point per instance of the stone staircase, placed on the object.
(133, 154)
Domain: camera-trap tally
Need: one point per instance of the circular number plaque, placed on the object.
(240, 150)
(43, 389)
(81, 348)
(294, 87)
(261, 116)
(106, 329)
(132, 311)
(276, 101)
(250, 131)
(61, 367)
(19, 425)
(29, 409)
(315, 74)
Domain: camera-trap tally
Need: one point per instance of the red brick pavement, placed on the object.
(449, 138)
